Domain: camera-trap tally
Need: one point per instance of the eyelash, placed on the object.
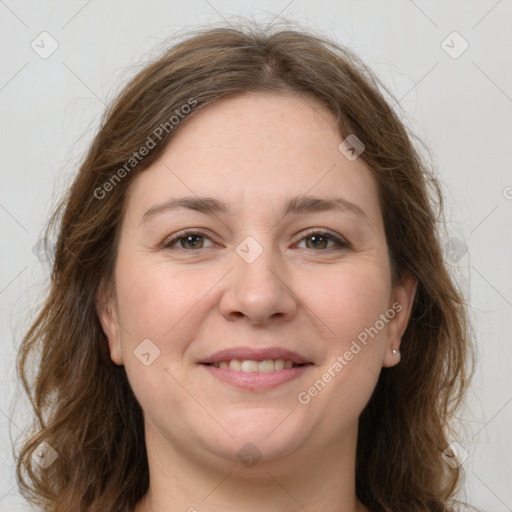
(342, 244)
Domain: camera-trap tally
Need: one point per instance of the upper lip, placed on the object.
(255, 354)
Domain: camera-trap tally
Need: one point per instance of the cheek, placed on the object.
(154, 300)
(348, 300)
(161, 309)
(158, 307)
(350, 312)
(169, 306)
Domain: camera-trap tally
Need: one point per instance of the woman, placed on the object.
(249, 307)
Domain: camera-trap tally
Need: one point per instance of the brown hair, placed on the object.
(83, 403)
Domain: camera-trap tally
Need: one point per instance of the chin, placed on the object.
(256, 436)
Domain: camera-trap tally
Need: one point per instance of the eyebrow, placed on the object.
(292, 206)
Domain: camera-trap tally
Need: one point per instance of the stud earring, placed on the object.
(396, 352)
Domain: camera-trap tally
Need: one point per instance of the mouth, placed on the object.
(253, 366)
(256, 370)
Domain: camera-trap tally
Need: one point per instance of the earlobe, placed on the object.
(106, 311)
(403, 300)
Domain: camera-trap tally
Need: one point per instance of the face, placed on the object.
(254, 301)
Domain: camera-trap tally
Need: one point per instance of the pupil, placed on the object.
(319, 240)
(190, 240)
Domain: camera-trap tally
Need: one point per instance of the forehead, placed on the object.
(258, 149)
(259, 127)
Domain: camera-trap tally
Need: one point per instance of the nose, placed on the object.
(258, 291)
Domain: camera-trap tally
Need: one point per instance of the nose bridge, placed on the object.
(256, 288)
(258, 265)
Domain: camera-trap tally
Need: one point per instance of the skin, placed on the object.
(253, 151)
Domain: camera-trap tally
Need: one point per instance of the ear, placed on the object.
(403, 295)
(106, 309)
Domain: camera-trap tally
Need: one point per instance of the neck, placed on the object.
(322, 478)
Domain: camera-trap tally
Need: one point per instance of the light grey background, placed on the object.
(461, 107)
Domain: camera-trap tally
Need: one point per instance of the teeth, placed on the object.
(235, 364)
(266, 366)
(249, 366)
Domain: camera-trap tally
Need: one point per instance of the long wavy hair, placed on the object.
(83, 404)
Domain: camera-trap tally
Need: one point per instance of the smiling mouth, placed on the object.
(256, 375)
(252, 366)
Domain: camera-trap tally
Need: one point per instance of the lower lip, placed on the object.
(256, 381)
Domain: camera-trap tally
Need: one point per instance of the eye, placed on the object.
(188, 240)
(320, 239)
(193, 240)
